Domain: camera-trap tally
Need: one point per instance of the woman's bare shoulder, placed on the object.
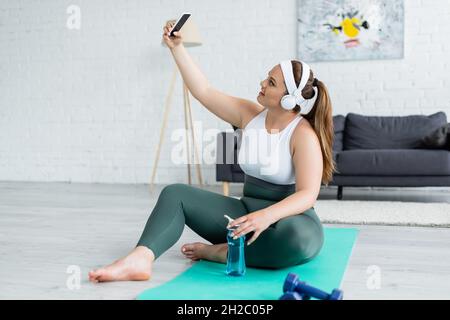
(303, 130)
(304, 126)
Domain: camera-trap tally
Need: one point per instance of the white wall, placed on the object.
(86, 105)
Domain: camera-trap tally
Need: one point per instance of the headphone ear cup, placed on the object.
(288, 102)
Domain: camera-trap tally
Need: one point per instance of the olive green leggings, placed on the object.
(289, 241)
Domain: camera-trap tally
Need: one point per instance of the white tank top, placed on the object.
(267, 155)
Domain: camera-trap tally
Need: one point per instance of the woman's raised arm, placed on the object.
(229, 108)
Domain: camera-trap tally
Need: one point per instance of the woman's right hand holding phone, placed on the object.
(173, 41)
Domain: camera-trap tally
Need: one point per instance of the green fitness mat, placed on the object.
(208, 280)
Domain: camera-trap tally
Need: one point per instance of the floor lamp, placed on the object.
(191, 38)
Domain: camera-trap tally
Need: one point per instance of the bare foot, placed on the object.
(213, 252)
(136, 266)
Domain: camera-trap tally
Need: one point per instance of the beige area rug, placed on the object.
(384, 213)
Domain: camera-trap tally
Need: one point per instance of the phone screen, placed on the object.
(180, 23)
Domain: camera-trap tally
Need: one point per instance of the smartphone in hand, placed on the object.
(180, 22)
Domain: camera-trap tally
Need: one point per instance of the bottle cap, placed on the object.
(230, 220)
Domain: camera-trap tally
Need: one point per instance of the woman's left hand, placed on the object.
(257, 221)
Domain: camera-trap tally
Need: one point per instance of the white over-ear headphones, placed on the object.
(295, 97)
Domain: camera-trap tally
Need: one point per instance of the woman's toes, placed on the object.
(193, 251)
(100, 275)
(187, 248)
(192, 257)
(94, 275)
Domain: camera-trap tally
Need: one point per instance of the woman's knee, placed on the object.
(303, 238)
(174, 189)
(305, 248)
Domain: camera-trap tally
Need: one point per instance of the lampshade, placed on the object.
(189, 34)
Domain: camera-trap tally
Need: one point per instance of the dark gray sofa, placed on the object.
(369, 151)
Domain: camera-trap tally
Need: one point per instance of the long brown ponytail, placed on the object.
(320, 118)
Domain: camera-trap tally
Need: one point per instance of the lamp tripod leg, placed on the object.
(186, 125)
(197, 164)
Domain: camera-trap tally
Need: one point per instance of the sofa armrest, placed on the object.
(339, 126)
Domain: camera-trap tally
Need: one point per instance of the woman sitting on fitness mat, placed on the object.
(276, 213)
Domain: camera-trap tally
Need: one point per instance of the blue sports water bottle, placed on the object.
(235, 256)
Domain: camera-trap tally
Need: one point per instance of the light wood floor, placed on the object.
(47, 227)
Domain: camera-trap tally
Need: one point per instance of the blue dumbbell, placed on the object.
(292, 285)
(292, 295)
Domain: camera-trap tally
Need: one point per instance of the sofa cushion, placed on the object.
(438, 139)
(388, 162)
(401, 132)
